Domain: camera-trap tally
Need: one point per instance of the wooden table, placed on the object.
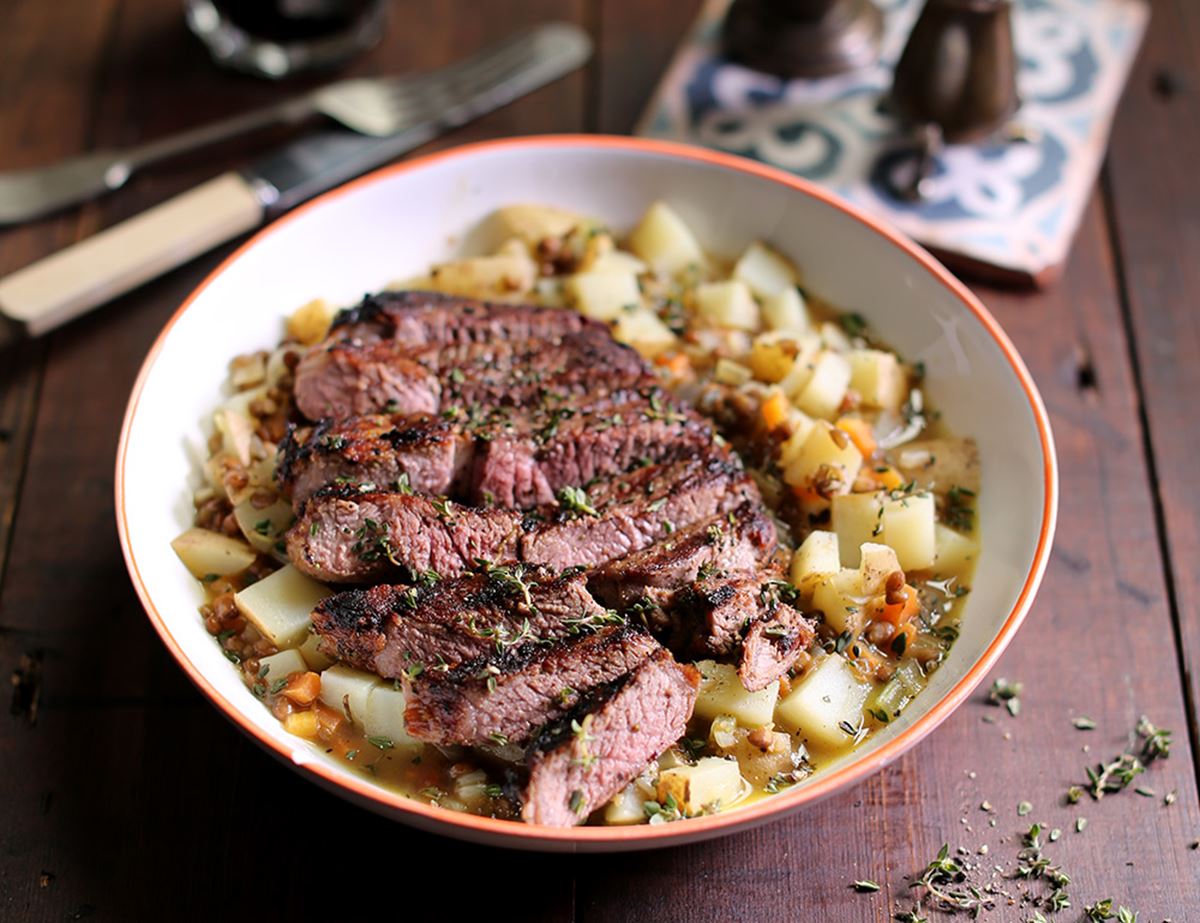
(130, 798)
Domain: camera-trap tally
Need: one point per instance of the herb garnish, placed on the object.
(664, 812)
(865, 886)
(382, 743)
(853, 323)
(960, 511)
(1118, 773)
(1008, 694)
(945, 881)
(575, 500)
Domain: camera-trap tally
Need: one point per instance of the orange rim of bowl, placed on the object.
(823, 784)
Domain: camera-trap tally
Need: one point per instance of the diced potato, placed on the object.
(939, 464)
(765, 270)
(908, 527)
(955, 552)
(248, 371)
(281, 665)
(204, 552)
(823, 392)
(626, 807)
(785, 310)
(728, 304)
(280, 605)
(773, 354)
(755, 763)
(533, 223)
(237, 432)
(643, 330)
(495, 276)
(728, 372)
(664, 241)
(310, 322)
(829, 695)
(857, 519)
(310, 650)
(878, 563)
(801, 425)
(823, 454)
(264, 528)
(384, 715)
(618, 261)
(841, 599)
(815, 560)
(348, 691)
(603, 295)
(712, 783)
(803, 365)
(722, 693)
(833, 337)
(878, 378)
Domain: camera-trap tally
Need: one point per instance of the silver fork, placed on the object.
(377, 107)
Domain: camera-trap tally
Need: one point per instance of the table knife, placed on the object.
(66, 284)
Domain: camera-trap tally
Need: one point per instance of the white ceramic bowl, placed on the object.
(397, 221)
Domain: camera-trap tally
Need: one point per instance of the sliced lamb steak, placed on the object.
(742, 616)
(418, 318)
(505, 696)
(626, 513)
(347, 535)
(397, 631)
(579, 762)
(429, 454)
(348, 377)
(737, 541)
(499, 455)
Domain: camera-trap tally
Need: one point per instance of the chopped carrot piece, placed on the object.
(888, 477)
(676, 364)
(904, 612)
(806, 494)
(860, 434)
(331, 719)
(303, 688)
(775, 410)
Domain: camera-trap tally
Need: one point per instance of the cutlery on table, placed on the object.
(52, 291)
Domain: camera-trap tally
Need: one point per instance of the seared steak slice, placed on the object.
(346, 535)
(418, 318)
(505, 696)
(342, 378)
(579, 762)
(572, 442)
(741, 616)
(626, 513)
(345, 378)
(429, 454)
(504, 456)
(399, 631)
(737, 541)
(771, 645)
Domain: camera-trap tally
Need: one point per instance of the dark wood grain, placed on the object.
(1155, 201)
(130, 798)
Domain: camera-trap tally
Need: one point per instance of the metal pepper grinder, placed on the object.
(802, 38)
(956, 80)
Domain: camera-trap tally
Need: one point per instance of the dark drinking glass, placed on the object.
(276, 38)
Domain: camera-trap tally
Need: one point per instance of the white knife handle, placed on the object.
(74, 280)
